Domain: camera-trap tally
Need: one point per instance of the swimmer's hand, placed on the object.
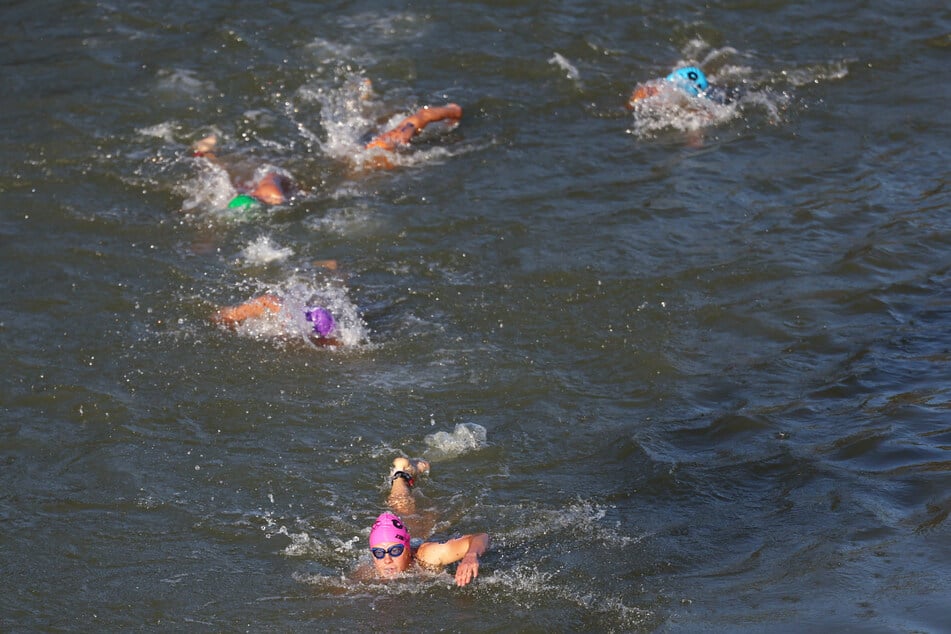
(467, 570)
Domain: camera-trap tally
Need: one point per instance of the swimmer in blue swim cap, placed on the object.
(688, 79)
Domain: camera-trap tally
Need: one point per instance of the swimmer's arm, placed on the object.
(233, 315)
(466, 550)
(414, 124)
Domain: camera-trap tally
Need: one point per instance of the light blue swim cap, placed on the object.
(691, 79)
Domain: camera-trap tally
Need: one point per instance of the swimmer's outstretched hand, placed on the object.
(231, 316)
(467, 570)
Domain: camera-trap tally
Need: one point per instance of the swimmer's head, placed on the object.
(690, 79)
(388, 529)
(322, 319)
(243, 202)
(389, 545)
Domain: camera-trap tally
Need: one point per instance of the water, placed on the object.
(689, 370)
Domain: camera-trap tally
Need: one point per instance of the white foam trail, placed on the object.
(570, 70)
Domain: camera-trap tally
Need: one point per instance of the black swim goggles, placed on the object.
(395, 551)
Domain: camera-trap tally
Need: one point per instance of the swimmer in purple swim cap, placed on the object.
(323, 329)
(389, 542)
(322, 319)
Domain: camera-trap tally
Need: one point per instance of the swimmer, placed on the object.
(271, 188)
(323, 326)
(689, 80)
(275, 187)
(390, 544)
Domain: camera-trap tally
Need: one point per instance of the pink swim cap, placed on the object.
(388, 528)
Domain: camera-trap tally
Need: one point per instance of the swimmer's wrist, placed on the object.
(410, 481)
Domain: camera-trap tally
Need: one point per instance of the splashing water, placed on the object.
(350, 116)
(290, 323)
(571, 72)
(264, 251)
(749, 92)
(464, 438)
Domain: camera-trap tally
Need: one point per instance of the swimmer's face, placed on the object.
(391, 566)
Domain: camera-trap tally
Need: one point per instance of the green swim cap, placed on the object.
(243, 201)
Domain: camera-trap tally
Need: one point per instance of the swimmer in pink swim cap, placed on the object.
(390, 545)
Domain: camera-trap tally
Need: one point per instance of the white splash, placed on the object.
(464, 438)
(264, 250)
(570, 70)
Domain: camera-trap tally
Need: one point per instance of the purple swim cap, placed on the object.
(322, 319)
(387, 529)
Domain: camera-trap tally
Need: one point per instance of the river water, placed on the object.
(687, 365)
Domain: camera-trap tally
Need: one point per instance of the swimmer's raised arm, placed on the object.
(402, 480)
(466, 550)
(414, 124)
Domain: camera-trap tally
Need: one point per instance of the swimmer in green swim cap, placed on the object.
(273, 188)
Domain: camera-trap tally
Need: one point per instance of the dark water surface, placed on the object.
(689, 370)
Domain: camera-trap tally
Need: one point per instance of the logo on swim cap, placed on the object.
(322, 319)
(690, 79)
(388, 528)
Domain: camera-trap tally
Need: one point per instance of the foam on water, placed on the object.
(264, 250)
(464, 438)
(182, 82)
(670, 108)
(571, 71)
(164, 131)
(210, 190)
